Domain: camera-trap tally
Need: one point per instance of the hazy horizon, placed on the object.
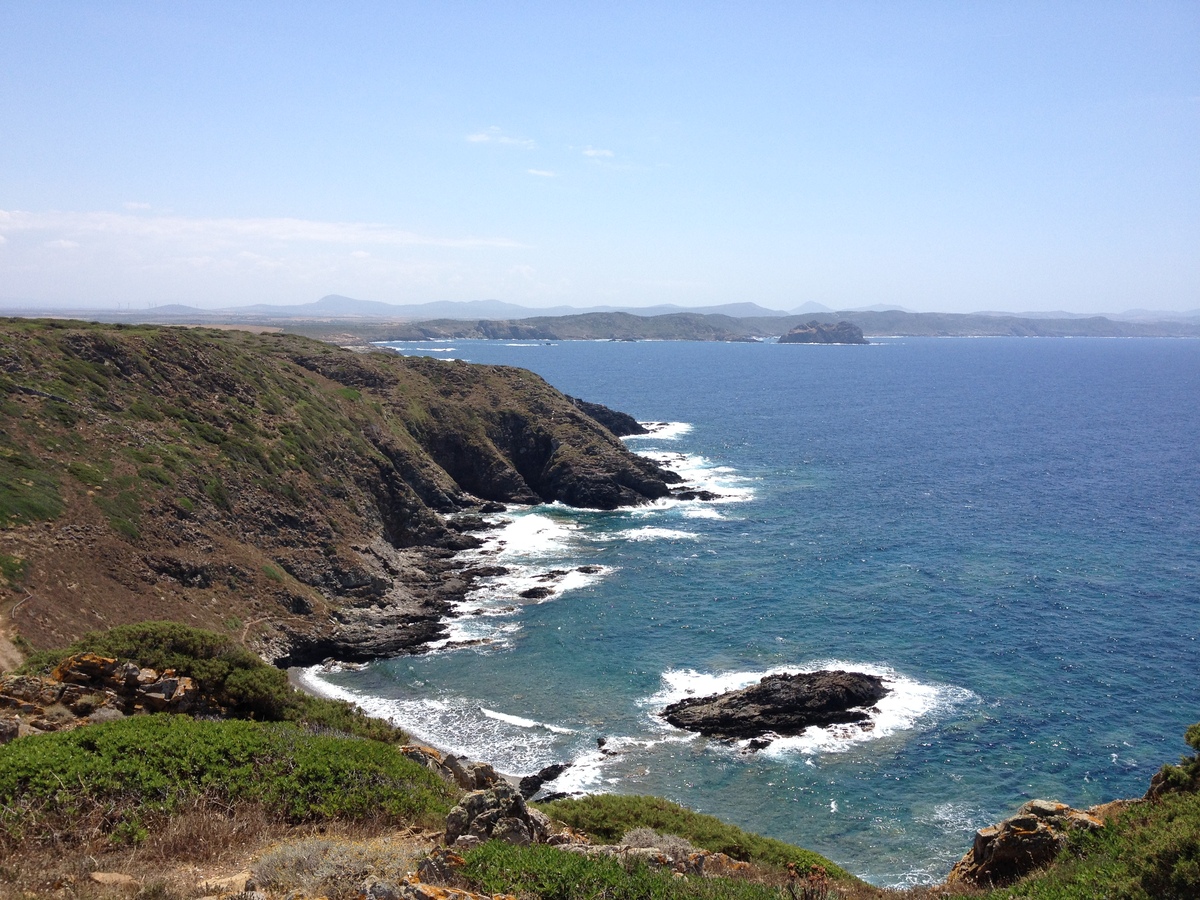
(931, 157)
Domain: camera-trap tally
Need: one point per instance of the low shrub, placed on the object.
(552, 874)
(117, 777)
(609, 816)
(334, 868)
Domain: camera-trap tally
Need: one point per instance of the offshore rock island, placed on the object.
(815, 332)
(307, 498)
(781, 705)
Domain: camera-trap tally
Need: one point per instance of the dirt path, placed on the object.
(10, 656)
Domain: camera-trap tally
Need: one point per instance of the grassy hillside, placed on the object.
(269, 484)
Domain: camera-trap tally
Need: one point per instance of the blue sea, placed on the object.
(1006, 529)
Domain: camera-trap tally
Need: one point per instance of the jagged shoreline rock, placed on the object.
(781, 705)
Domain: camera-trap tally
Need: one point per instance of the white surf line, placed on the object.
(908, 705)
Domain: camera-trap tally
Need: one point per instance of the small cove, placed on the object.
(1005, 527)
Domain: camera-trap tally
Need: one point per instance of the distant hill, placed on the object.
(697, 327)
(345, 319)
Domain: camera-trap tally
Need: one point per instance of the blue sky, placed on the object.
(936, 156)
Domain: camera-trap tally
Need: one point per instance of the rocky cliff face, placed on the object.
(268, 485)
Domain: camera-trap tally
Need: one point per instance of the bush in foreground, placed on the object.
(551, 874)
(118, 776)
(609, 816)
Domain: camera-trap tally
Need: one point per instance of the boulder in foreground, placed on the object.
(781, 704)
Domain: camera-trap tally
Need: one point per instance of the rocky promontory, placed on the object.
(304, 498)
(815, 332)
(781, 705)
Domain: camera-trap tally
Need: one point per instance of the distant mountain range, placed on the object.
(338, 306)
(341, 318)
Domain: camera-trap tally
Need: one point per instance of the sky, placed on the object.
(936, 156)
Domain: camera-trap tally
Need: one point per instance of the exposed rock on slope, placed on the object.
(781, 704)
(1029, 840)
(268, 485)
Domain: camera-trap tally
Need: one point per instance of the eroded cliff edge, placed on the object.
(288, 491)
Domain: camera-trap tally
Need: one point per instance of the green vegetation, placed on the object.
(27, 492)
(236, 679)
(609, 816)
(12, 569)
(119, 775)
(550, 874)
(1186, 775)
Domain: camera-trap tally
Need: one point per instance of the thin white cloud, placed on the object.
(542, 173)
(360, 254)
(131, 204)
(62, 244)
(494, 135)
(66, 227)
(594, 153)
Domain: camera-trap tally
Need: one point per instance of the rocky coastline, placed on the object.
(311, 500)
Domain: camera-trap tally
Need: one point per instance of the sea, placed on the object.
(1006, 529)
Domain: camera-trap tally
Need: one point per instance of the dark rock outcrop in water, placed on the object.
(619, 423)
(815, 332)
(781, 704)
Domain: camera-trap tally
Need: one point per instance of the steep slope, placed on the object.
(268, 485)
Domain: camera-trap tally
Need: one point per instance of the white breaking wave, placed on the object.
(544, 556)
(909, 704)
(663, 431)
(524, 723)
(459, 725)
(649, 533)
(701, 474)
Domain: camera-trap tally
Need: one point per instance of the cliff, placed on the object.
(269, 486)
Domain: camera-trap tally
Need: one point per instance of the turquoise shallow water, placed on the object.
(1005, 528)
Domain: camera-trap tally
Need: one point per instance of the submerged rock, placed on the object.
(781, 704)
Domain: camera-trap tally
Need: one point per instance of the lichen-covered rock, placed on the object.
(498, 812)
(1017, 846)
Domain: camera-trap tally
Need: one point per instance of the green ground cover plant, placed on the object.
(119, 776)
(551, 874)
(609, 816)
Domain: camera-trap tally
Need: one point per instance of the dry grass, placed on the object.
(199, 846)
(337, 868)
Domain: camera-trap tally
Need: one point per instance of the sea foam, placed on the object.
(910, 704)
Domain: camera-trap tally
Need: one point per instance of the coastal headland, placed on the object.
(308, 499)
